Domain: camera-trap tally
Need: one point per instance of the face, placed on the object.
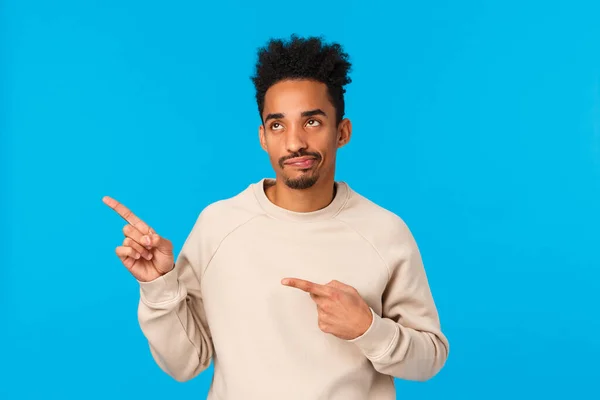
(300, 134)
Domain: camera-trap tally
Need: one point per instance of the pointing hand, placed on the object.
(341, 310)
(145, 254)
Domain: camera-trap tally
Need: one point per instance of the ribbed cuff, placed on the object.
(377, 340)
(163, 289)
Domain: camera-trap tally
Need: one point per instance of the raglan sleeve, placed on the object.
(171, 311)
(406, 340)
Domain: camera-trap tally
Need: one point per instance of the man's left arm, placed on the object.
(406, 341)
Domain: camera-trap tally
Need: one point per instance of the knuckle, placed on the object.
(132, 244)
(323, 326)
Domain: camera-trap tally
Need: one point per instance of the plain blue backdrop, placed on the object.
(478, 122)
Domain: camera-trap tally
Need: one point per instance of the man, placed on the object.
(298, 287)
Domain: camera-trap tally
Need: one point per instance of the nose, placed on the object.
(295, 139)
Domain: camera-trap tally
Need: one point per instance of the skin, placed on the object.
(298, 121)
(298, 118)
(144, 253)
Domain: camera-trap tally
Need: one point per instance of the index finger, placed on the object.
(126, 214)
(307, 286)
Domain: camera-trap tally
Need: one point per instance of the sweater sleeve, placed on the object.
(171, 313)
(406, 340)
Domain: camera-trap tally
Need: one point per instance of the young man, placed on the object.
(298, 287)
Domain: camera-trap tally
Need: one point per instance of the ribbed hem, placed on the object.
(160, 290)
(377, 340)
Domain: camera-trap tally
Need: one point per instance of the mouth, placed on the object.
(301, 162)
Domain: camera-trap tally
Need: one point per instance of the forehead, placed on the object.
(291, 96)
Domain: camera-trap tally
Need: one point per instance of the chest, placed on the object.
(247, 269)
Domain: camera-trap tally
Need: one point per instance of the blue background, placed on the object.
(478, 122)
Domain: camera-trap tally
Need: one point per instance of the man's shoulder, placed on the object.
(384, 229)
(221, 217)
(216, 222)
(372, 220)
(242, 203)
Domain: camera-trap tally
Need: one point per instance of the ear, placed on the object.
(344, 132)
(261, 137)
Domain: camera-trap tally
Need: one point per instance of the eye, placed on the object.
(313, 122)
(276, 126)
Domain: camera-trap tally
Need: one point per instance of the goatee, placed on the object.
(303, 182)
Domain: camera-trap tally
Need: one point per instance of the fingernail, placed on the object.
(149, 256)
(137, 256)
(147, 240)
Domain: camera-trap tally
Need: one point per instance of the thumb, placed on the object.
(161, 244)
(337, 284)
(341, 286)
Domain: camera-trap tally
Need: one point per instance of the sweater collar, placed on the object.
(330, 211)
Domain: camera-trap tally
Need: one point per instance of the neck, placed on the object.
(302, 200)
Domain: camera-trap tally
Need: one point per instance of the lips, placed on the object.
(301, 162)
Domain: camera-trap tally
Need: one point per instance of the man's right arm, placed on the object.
(171, 314)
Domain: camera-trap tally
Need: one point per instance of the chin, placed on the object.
(304, 181)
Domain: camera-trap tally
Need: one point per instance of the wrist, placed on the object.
(366, 322)
(164, 288)
(164, 272)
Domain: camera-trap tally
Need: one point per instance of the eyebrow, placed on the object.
(310, 113)
(274, 116)
(314, 112)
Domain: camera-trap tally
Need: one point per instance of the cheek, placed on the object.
(328, 147)
(272, 147)
(274, 154)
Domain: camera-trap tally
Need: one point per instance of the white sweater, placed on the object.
(224, 302)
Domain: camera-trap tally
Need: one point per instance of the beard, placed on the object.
(308, 178)
(302, 182)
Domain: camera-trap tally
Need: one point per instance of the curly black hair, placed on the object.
(303, 58)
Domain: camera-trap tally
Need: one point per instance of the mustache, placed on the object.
(316, 156)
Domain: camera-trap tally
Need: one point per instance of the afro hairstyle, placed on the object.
(303, 58)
